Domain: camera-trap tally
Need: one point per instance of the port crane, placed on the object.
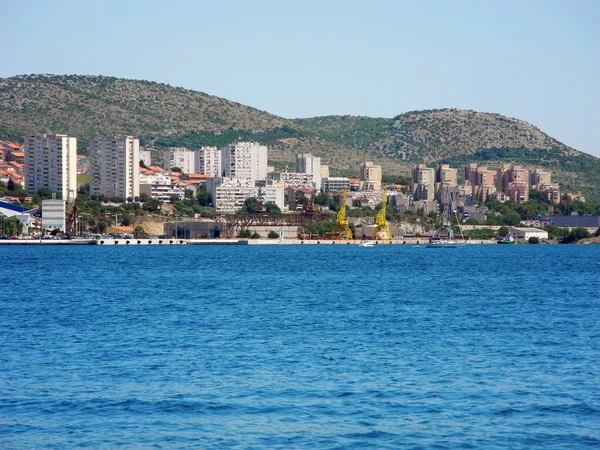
(382, 231)
(341, 230)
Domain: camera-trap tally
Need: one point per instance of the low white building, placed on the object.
(335, 184)
(229, 194)
(160, 187)
(53, 214)
(526, 233)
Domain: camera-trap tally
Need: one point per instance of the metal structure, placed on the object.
(382, 231)
(71, 219)
(341, 230)
(233, 223)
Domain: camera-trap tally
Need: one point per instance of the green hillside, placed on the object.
(162, 115)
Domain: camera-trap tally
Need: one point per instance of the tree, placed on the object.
(534, 240)
(555, 232)
(250, 206)
(176, 169)
(244, 234)
(152, 205)
(126, 220)
(272, 208)
(273, 235)
(575, 235)
(139, 231)
(44, 193)
(11, 185)
(203, 197)
(503, 231)
(143, 164)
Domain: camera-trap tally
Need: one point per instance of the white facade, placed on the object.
(51, 162)
(207, 161)
(53, 214)
(307, 163)
(229, 194)
(246, 161)
(292, 179)
(526, 233)
(335, 184)
(146, 157)
(179, 157)
(114, 167)
(160, 187)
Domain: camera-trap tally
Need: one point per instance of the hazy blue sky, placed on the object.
(534, 60)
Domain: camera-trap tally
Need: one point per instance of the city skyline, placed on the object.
(535, 61)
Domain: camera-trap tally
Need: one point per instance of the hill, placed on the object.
(162, 115)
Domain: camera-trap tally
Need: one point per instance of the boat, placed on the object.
(506, 240)
(443, 237)
(367, 244)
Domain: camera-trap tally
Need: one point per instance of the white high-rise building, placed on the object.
(51, 163)
(246, 161)
(114, 167)
(208, 161)
(180, 157)
(307, 163)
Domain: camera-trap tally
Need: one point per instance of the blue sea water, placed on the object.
(300, 347)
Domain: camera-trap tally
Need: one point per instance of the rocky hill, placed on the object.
(162, 115)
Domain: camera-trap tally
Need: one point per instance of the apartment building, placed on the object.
(160, 186)
(246, 161)
(292, 179)
(479, 181)
(307, 163)
(51, 162)
(229, 194)
(445, 176)
(335, 184)
(370, 177)
(513, 180)
(207, 161)
(180, 157)
(114, 167)
(423, 179)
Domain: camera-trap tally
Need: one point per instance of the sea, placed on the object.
(291, 346)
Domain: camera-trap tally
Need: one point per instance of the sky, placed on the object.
(538, 61)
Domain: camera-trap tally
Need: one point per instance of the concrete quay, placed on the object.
(111, 242)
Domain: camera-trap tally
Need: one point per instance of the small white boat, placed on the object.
(367, 244)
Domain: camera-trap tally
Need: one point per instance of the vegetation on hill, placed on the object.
(162, 115)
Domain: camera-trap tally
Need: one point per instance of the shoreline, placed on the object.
(111, 242)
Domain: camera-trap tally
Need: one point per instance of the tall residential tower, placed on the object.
(114, 167)
(51, 163)
(208, 161)
(246, 161)
(307, 163)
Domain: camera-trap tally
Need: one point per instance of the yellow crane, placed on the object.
(382, 231)
(341, 230)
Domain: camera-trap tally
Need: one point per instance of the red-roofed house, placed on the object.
(16, 157)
